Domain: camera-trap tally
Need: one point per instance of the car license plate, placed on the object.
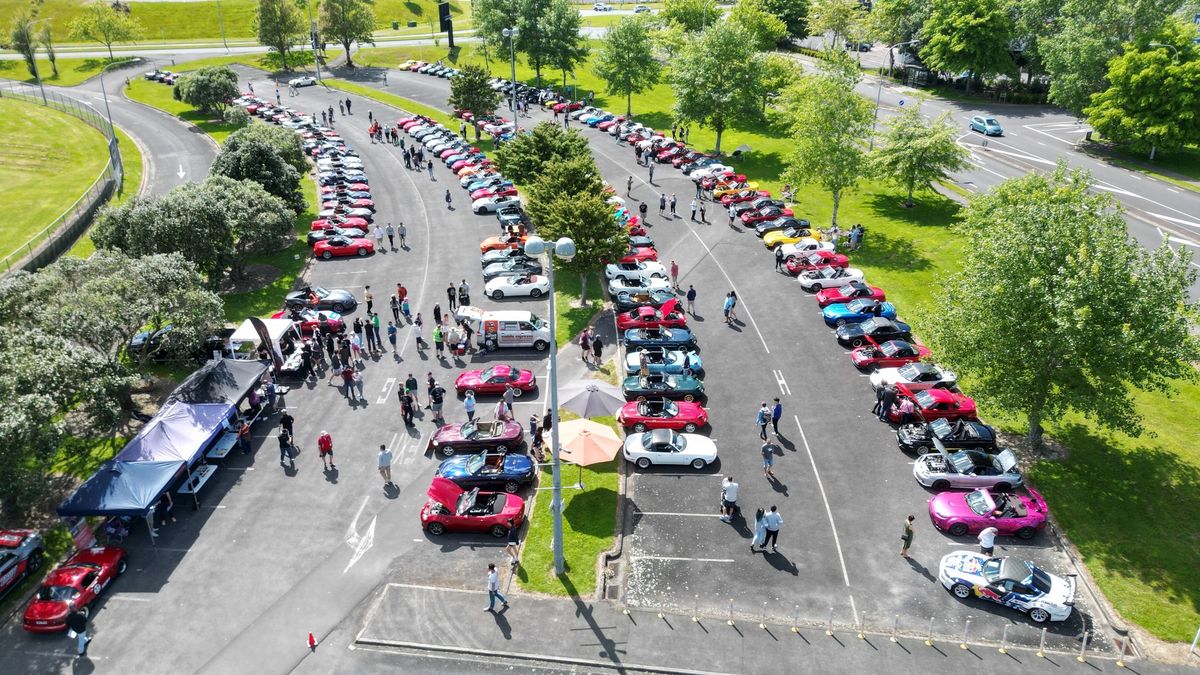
(42, 623)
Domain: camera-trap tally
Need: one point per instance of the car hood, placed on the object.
(46, 610)
(963, 565)
(951, 504)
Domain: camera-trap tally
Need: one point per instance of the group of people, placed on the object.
(889, 403)
(854, 237)
(591, 347)
(766, 522)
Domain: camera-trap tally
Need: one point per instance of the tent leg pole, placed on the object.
(150, 528)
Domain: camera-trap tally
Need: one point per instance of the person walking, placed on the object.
(693, 210)
(650, 166)
(513, 545)
(732, 215)
(378, 236)
(691, 300)
(410, 386)
(628, 185)
(762, 419)
(325, 450)
(391, 235)
(768, 459)
(77, 627)
(674, 275)
(391, 333)
(348, 102)
(469, 405)
(452, 296)
(341, 107)
(585, 344)
(672, 203)
(662, 203)
(779, 267)
(772, 521)
(408, 407)
(733, 306)
(729, 488)
(887, 399)
(449, 199)
(394, 304)
(402, 232)
(429, 168)
(493, 589)
(703, 212)
(727, 309)
(385, 465)
(776, 413)
(406, 310)
(286, 421)
(907, 535)
(987, 540)
(285, 447)
(597, 350)
(418, 325)
(760, 530)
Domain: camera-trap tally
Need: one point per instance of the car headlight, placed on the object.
(436, 443)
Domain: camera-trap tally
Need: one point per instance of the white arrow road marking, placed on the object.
(361, 543)
(386, 391)
(1181, 221)
(181, 172)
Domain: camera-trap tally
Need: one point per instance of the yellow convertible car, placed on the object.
(789, 235)
(729, 187)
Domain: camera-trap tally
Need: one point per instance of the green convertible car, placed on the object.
(683, 387)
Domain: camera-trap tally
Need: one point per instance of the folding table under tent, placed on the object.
(220, 381)
(128, 489)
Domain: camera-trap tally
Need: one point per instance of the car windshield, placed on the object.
(859, 306)
(475, 462)
(868, 326)
(890, 348)
(991, 568)
(321, 292)
(991, 122)
(670, 408)
(925, 399)
(978, 503)
(910, 372)
(537, 321)
(468, 429)
(57, 593)
(846, 291)
(940, 428)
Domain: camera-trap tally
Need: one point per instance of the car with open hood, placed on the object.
(450, 508)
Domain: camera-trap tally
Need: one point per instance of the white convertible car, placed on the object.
(664, 446)
(636, 270)
(492, 204)
(640, 284)
(804, 247)
(532, 285)
(828, 277)
(915, 376)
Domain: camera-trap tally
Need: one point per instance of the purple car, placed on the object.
(1012, 514)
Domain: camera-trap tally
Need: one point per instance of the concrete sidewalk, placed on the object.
(584, 634)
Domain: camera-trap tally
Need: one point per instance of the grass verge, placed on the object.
(131, 160)
(589, 524)
(71, 70)
(49, 160)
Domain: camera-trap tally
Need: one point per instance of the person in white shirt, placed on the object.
(728, 499)
(469, 405)
(385, 464)
(987, 540)
(772, 520)
(493, 589)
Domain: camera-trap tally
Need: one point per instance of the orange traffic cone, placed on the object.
(312, 642)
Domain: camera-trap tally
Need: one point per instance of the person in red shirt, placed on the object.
(325, 449)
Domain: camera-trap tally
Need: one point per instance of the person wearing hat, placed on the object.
(644, 362)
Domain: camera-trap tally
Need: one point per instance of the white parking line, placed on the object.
(665, 557)
(783, 387)
(828, 511)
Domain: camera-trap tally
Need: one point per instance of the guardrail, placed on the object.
(57, 237)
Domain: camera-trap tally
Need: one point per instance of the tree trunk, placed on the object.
(720, 127)
(1035, 429)
(909, 202)
(110, 55)
(629, 104)
(891, 61)
(583, 289)
(283, 56)
(349, 63)
(837, 199)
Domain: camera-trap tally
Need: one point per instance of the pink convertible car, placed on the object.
(1012, 514)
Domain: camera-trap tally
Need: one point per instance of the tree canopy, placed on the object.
(765, 29)
(969, 36)
(524, 157)
(472, 90)
(209, 89)
(626, 60)
(793, 13)
(567, 47)
(1078, 316)
(838, 17)
(280, 25)
(717, 79)
(533, 41)
(255, 160)
(104, 23)
(914, 153)
(690, 15)
(283, 141)
(347, 22)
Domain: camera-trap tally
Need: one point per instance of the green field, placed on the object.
(71, 71)
(48, 160)
(131, 161)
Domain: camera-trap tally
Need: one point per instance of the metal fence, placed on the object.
(59, 235)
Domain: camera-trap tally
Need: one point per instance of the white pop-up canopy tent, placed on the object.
(276, 329)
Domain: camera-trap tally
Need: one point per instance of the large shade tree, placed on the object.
(626, 60)
(690, 15)
(208, 89)
(105, 23)
(524, 157)
(972, 36)
(347, 22)
(916, 152)
(567, 47)
(280, 26)
(717, 79)
(257, 161)
(1077, 316)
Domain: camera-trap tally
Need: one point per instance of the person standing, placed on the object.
(729, 489)
(768, 459)
(449, 200)
(402, 232)
(907, 535)
(375, 331)
(887, 400)
(513, 545)
(779, 259)
(452, 296)
(357, 380)
(394, 304)
(987, 540)
(464, 294)
(436, 396)
(286, 421)
(469, 405)
(662, 203)
(674, 275)
(771, 521)
(760, 530)
(77, 624)
(429, 166)
(628, 186)
(727, 308)
(776, 413)
(585, 344)
(493, 589)
(673, 202)
(691, 300)
(378, 236)
(762, 418)
(703, 213)
(348, 382)
(650, 166)
(391, 333)
(693, 210)
(510, 395)
(418, 325)
(243, 437)
(732, 215)
(501, 411)
(597, 350)
(325, 450)
(410, 386)
(408, 407)
(385, 465)
(391, 235)
(733, 306)
(341, 107)
(348, 106)
(439, 344)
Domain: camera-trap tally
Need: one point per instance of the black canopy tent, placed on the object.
(220, 381)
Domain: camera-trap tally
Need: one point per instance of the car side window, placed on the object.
(88, 579)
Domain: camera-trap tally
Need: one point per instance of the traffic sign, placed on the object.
(901, 103)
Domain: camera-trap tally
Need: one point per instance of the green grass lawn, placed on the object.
(589, 524)
(71, 71)
(48, 161)
(157, 95)
(1181, 168)
(131, 159)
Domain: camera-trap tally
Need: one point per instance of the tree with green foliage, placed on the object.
(969, 36)
(1153, 94)
(829, 124)
(472, 90)
(257, 161)
(566, 49)
(280, 26)
(259, 222)
(22, 39)
(347, 22)
(209, 89)
(45, 38)
(914, 153)
(575, 175)
(626, 60)
(778, 73)
(588, 220)
(283, 141)
(532, 40)
(490, 18)
(764, 28)
(524, 158)
(794, 15)
(104, 23)
(1033, 27)
(1078, 315)
(690, 15)
(896, 21)
(839, 18)
(669, 39)
(717, 79)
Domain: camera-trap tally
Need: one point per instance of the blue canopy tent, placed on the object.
(180, 431)
(128, 489)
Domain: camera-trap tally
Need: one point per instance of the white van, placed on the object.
(506, 328)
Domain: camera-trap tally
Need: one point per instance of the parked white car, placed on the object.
(492, 204)
(531, 285)
(664, 446)
(636, 270)
(803, 247)
(915, 376)
(829, 277)
(303, 81)
(705, 172)
(967, 469)
(638, 285)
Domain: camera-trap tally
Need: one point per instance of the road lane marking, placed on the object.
(824, 498)
(1181, 221)
(666, 557)
(783, 386)
(672, 513)
(386, 391)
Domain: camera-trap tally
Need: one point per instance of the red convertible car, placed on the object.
(350, 223)
(1012, 514)
(608, 124)
(814, 260)
(451, 508)
(21, 553)
(569, 107)
(649, 317)
(335, 203)
(309, 321)
(74, 585)
(852, 290)
(477, 435)
(495, 379)
(342, 246)
(769, 213)
(661, 413)
(498, 191)
(642, 254)
(891, 354)
(743, 196)
(931, 404)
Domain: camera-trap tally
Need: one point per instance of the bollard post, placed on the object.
(625, 611)
(763, 622)
(1041, 652)
(1083, 648)
(1121, 656)
(829, 626)
(696, 610)
(929, 635)
(660, 614)
(729, 622)
(860, 619)
(796, 620)
(966, 627)
(895, 627)
(1004, 640)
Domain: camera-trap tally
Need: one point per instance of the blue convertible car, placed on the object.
(857, 311)
(677, 338)
(663, 361)
(488, 470)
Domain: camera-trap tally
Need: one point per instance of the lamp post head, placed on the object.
(510, 32)
(535, 246)
(564, 248)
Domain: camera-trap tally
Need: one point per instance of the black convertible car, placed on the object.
(956, 435)
(336, 299)
(877, 328)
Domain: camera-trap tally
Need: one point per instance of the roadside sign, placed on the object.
(901, 103)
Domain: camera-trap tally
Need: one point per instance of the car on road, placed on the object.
(767, 213)
(477, 435)
(659, 337)
(848, 292)
(932, 404)
(684, 387)
(890, 354)
(450, 508)
(1011, 582)
(856, 311)
(988, 126)
(657, 297)
(815, 260)
(73, 586)
(339, 246)
(601, 7)
(513, 266)
(828, 277)
(664, 360)
(641, 9)
(652, 317)
(877, 328)
(661, 413)
(638, 285)
(310, 321)
(21, 553)
(635, 270)
(954, 435)
(1012, 514)
(496, 379)
(969, 469)
(338, 299)
(915, 376)
(668, 447)
(508, 471)
(491, 204)
(858, 46)
(517, 285)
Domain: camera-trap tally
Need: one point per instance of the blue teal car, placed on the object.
(988, 126)
(494, 181)
(597, 119)
(489, 470)
(677, 338)
(663, 361)
(857, 311)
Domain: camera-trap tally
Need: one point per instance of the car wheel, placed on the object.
(839, 323)
(1039, 615)
(362, 252)
(326, 255)
(446, 451)
(1026, 533)
(535, 293)
(502, 448)
(687, 371)
(958, 529)
(689, 397)
(1002, 487)
(698, 464)
(639, 428)
(961, 591)
(643, 462)
(790, 258)
(498, 531)
(436, 529)
(339, 307)
(86, 611)
(511, 487)
(923, 449)
(857, 342)
(497, 294)
(34, 563)
(689, 428)
(808, 289)
(940, 485)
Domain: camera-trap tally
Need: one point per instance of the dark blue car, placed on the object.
(636, 338)
(509, 472)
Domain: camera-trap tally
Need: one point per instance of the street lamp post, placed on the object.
(879, 91)
(312, 34)
(563, 248)
(221, 21)
(511, 34)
